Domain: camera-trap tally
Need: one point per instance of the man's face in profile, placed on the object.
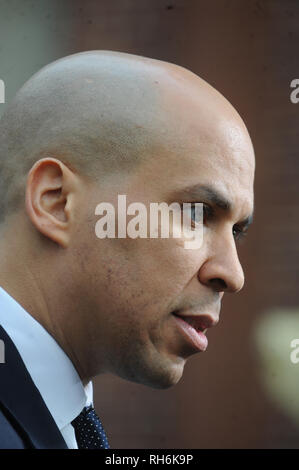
(158, 134)
(134, 289)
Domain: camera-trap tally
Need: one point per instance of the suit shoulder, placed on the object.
(10, 432)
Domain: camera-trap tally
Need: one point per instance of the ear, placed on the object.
(50, 193)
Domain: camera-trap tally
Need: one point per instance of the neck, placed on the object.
(35, 289)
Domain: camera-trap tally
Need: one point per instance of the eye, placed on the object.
(239, 233)
(195, 217)
(199, 213)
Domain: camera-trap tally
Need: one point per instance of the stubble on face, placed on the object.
(141, 282)
(132, 287)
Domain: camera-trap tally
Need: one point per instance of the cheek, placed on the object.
(154, 279)
(141, 279)
(170, 266)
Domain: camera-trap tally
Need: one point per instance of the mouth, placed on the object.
(194, 328)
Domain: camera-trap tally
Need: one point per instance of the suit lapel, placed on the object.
(22, 399)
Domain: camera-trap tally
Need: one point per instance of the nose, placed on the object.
(222, 270)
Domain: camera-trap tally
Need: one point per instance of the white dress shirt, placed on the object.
(51, 370)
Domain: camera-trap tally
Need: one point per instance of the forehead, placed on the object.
(197, 137)
(216, 153)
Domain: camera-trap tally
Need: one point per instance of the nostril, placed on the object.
(218, 284)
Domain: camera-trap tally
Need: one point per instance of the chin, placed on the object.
(164, 383)
(162, 376)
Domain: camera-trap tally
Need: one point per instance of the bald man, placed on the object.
(86, 129)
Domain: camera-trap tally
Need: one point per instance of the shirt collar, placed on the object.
(49, 367)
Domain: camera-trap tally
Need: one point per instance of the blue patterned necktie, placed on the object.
(89, 431)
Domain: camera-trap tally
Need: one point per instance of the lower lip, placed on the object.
(196, 338)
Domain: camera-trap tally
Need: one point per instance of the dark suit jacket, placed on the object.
(25, 421)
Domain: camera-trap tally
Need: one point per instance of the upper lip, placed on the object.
(200, 320)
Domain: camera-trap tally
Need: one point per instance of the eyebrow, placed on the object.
(212, 195)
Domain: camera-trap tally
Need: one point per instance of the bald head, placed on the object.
(100, 112)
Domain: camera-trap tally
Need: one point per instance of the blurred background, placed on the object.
(244, 391)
